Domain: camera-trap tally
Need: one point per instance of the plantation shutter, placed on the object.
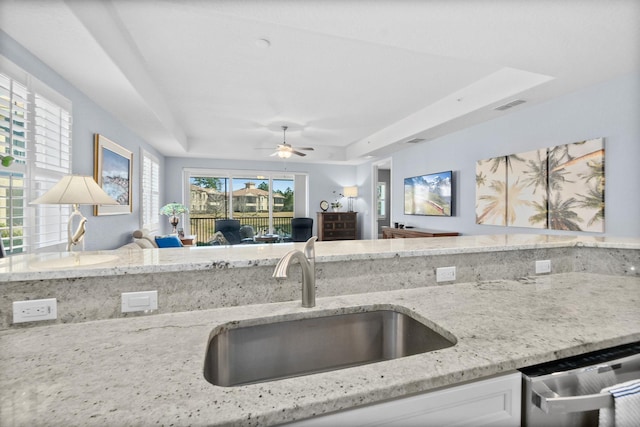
(13, 142)
(150, 209)
(51, 162)
(35, 129)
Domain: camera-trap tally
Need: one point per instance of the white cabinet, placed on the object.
(493, 401)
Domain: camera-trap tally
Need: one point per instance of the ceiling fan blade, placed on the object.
(304, 148)
(298, 153)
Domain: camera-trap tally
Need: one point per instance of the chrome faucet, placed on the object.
(307, 261)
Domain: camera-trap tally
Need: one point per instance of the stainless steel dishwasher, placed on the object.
(566, 392)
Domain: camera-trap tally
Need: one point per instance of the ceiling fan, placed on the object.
(284, 150)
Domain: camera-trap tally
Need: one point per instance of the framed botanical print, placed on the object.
(113, 170)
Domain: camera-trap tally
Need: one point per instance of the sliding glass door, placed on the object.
(263, 201)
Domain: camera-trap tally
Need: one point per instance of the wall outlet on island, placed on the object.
(445, 274)
(139, 301)
(35, 310)
(543, 266)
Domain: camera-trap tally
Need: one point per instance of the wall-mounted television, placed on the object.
(431, 194)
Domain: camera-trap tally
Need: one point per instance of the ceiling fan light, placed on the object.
(284, 154)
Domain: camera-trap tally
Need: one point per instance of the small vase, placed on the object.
(335, 209)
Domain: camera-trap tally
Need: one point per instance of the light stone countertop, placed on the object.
(149, 370)
(59, 265)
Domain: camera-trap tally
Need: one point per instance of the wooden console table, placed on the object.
(405, 233)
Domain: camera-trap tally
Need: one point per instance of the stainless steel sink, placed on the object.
(238, 354)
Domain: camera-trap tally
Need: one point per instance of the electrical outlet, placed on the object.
(35, 310)
(445, 274)
(139, 301)
(543, 266)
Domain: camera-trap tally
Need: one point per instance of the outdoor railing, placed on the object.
(205, 227)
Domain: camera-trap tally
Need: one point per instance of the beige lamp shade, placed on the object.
(75, 190)
(350, 191)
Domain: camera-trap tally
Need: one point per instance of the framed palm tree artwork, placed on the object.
(576, 186)
(491, 191)
(527, 189)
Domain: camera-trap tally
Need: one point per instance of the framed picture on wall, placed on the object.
(113, 170)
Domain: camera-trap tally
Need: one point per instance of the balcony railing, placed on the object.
(205, 227)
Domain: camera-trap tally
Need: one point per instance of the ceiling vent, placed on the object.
(510, 104)
(415, 140)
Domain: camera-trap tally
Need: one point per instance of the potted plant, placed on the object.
(336, 205)
(6, 160)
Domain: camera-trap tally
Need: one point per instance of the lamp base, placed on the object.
(77, 236)
(174, 220)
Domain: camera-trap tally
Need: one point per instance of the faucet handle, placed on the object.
(310, 249)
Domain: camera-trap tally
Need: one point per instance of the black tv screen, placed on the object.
(430, 194)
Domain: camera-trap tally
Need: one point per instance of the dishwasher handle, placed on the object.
(551, 402)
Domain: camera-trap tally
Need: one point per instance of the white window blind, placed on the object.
(150, 191)
(13, 136)
(36, 130)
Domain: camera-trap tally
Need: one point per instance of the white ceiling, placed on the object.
(353, 79)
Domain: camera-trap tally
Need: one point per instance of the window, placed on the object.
(262, 200)
(381, 200)
(35, 129)
(150, 191)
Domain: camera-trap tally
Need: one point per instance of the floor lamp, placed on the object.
(75, 190)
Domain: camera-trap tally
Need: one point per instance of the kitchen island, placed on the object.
(149, 370)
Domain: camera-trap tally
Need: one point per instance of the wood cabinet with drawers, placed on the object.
(337, 225)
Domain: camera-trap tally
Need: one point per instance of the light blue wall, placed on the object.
(610, 110)
(323, 179)
(103, 232)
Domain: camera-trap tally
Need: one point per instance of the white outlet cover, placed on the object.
(35, 310)
(543, 266)
(445, 274)
(139, 301)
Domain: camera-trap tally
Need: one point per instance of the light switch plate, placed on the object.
(35, 310)
(139, 301)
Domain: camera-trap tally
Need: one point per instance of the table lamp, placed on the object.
(172, 210)
(75, 190)
(351, 193)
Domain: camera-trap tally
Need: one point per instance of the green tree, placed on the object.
(263, 186)
(207, 182)
(288, 200)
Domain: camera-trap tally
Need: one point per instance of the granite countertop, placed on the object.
(149, 370)
(58, 265)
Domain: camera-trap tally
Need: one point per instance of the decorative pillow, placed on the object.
(145, 243)
(144, 234)
(168, 242)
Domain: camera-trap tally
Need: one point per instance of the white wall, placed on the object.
(610, 110)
